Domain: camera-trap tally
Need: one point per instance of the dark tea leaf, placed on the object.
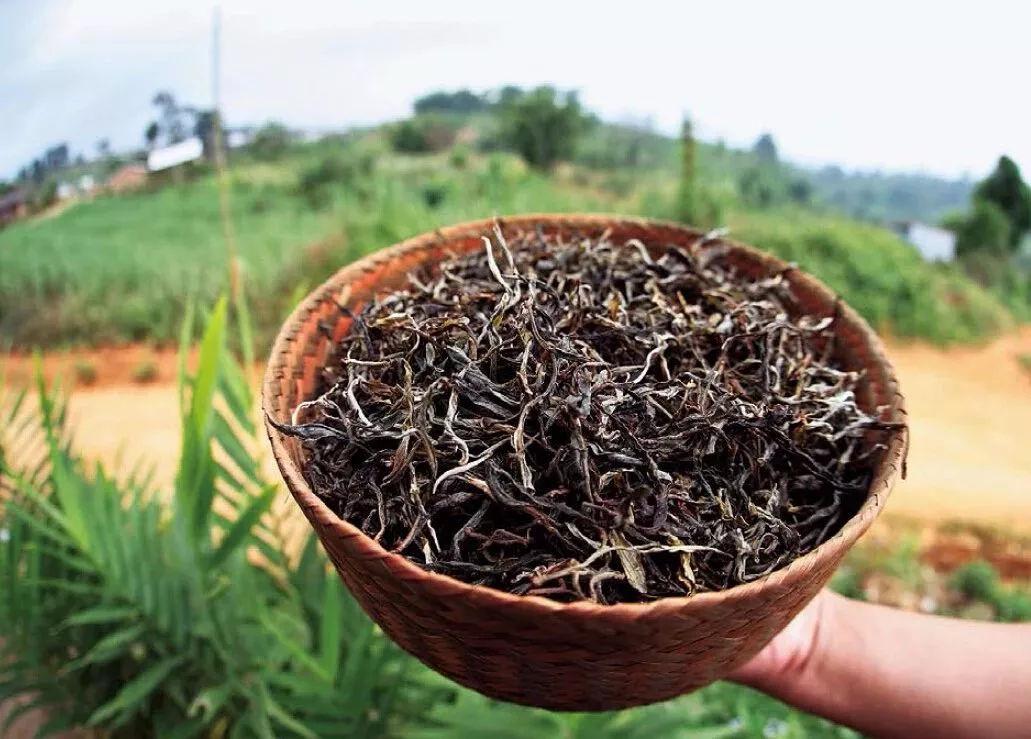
(586, 419)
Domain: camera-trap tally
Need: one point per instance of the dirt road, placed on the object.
(970, 410)
(970, 416)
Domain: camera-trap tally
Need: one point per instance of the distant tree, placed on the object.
(1006, 189)
(45, 195)
(543, 125)
(103, 148)
(173, 117)
(56, 157)
(150, 134)
(462, 102)
(800, 190)
(765, 149)
(761, 186)
(983, 231)
(270, 141)
(508, 95)
(687, 193)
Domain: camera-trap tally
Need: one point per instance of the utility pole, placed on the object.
(221, 169)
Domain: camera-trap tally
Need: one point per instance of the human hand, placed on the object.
(886, 672)
(792, 654)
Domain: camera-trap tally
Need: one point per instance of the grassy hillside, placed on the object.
(881, 276)
(123, 268)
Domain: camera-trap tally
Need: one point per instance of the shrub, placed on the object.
(44, 196)
(435, 192)
(316, 182)
(543, 126)
(848, 582)
(146, 371)
(423, 134)
(763, 186)
(1013, 605)
(977, 580)
(85, 372)
(625, 146)
(985, 230)
(270, 142)
(460, 156)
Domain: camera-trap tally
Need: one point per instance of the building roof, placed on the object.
(176, 154)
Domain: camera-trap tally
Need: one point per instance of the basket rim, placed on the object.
(881, 484)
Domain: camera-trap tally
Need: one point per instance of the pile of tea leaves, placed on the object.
(586, 419)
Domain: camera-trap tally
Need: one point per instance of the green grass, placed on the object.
(122, 268)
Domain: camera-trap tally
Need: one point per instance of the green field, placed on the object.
(121, 268)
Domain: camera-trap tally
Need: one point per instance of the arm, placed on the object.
(890, 673)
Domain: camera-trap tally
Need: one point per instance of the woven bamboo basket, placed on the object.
(528, 649)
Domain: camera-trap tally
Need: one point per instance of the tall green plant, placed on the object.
(145, 616)
(687, 192)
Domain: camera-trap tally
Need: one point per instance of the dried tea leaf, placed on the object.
(583, 418)
(631, 560)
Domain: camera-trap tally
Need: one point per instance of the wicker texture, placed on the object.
(528, 649)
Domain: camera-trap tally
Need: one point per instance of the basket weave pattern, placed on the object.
(528, 649)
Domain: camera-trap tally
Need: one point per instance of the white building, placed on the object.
(935, 244)
(172, 156)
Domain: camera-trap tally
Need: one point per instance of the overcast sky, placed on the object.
(914, 86)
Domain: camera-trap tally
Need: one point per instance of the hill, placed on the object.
(123, 268)
(868, 196)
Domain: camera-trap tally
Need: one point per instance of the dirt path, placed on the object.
(970, 410)
(970, 416)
